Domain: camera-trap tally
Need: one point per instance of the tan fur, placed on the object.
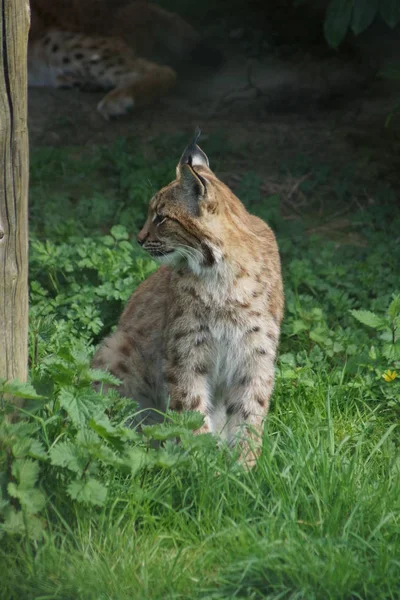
(202, 332)
(99, 44)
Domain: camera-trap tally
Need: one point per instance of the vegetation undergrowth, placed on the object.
(91, 509)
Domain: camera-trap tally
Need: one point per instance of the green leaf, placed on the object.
(103, 427)
(392, 351)
(26, 472)
(89, 491)
(163, 431)
(337, 21)
(298, 326)
(138, 458)
(21, 390)
(96, 448)
(364, 12)
(79, 353)
(190, 420)
(21, 447)
(13, 523)
(316, 355)
(166, 460)
(289, 374)
(37, 450)
(103, 377)
(390, 12)
(119, 232)
(287, 359)
(36, 527)
(369, 318)
(394, 308)
(105, 430)
(31, 500)
(177, 425)
(318, 335)
(337, 347)
(12, 433)
(70, 456)
(81, 405)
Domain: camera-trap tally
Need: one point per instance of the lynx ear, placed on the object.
(193, 184)
(193, 187)
(193, 155)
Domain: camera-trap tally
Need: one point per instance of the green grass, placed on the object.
(95, 514)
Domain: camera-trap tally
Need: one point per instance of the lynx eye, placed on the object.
(159, 220)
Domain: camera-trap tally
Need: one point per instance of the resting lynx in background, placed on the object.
(202, 332)
(101, 44)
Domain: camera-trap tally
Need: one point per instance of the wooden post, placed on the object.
(14, 162)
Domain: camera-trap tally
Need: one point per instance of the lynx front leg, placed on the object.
(189, 391)
(246, 409)
(116, 103)
(140, 90)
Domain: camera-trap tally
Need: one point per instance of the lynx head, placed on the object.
(193, 219)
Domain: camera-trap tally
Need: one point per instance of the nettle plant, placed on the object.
(75, 442)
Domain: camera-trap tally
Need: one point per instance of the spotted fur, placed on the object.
(100, 45)
(202, 332)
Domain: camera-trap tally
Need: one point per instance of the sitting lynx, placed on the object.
(100, 44)
(202, 332)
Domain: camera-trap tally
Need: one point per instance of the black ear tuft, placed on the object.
(193, 155)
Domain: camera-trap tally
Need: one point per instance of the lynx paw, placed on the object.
(115, 105)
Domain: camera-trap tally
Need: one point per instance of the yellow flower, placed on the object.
(389, 375)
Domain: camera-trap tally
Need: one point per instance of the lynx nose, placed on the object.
(142, 235)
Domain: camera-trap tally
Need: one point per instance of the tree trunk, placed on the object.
(14, 156)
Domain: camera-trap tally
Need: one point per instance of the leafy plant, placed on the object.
(357, 16)
(74, 440)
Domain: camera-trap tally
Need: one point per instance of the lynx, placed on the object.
(201, 333)
(105, 45)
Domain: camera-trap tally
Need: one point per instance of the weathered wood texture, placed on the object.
(14, 157)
